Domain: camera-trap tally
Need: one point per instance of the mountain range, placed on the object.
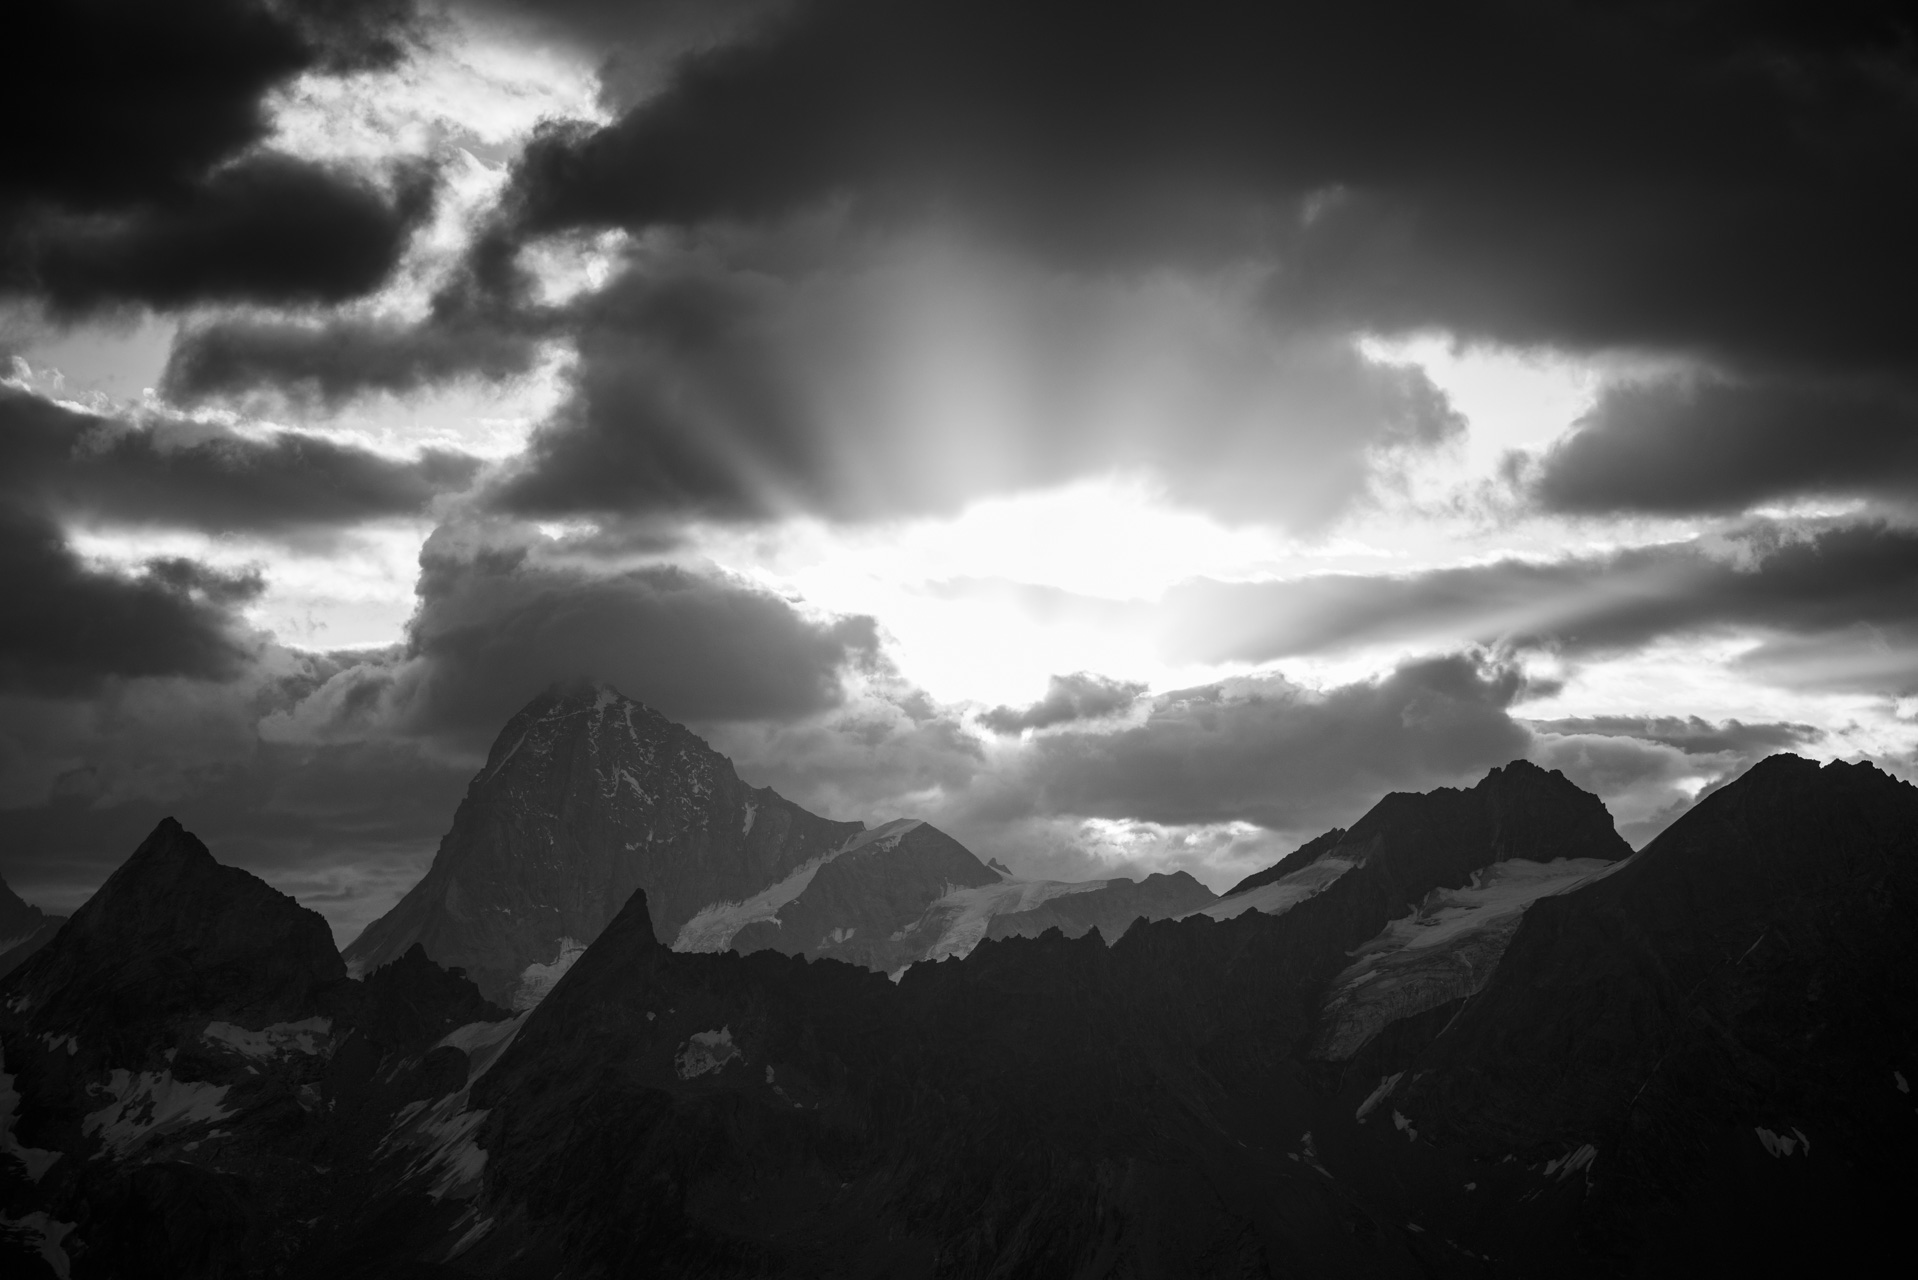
(640, 1018)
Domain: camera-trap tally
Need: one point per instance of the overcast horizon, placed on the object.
(1133, 438)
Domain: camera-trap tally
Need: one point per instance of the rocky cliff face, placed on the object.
(586, 797)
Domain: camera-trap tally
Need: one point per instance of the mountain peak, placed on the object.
(586, 796)
(173, 932)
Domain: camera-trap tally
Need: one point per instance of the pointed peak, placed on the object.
(168, 844)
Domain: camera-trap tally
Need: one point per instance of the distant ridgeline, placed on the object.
(642, 1019)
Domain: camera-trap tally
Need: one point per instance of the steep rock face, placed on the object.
(24, 929)
(1110, 908)
(1722, 1031)
(587, 796)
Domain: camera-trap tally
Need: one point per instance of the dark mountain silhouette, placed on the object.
(197, 1088)
(1465, 1037)
(1111, 909)
(585, 797)
(24, 929)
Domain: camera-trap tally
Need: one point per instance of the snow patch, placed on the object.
(1571, 1162)
(472, 1237)
(1899, 1078)
(510, 753)
(1778, 1145)
(54, 1043)
(706, 1051)
(442, 1132)
(151, 1102)
(1378, 1095)
(537, 981)
(307, 1036)
(967, 912)
(746, 828)
(1283, 894)
(714, 926)
(1404, 1126)
(47, 1236)
(1446, 948)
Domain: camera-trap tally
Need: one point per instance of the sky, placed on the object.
(1133, 437)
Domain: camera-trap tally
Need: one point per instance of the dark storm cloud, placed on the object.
(1689, 734)
(1081, 696)
(1692, 446)
(503, 614)
(1730, 185)
(1701, 177)
(268, 229)
(183, 474)
(129, 176)
(333, 361)
(1269, 752)
(66, 627)
(495, 628)
(811, 372)
(1805, 581)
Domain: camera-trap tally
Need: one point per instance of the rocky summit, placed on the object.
(1471, 1035)
(586, 797)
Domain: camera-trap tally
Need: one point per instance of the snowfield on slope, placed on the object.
(714, 928)
(1281, 895)
(1445, 948)
(967, 912)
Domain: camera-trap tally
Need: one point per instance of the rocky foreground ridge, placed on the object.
(1472, 1035)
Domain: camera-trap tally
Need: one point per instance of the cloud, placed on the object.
(345, 827)
(1703, 445)
(268, 229)
(502, 614)
(178, 473)
(1650, 193)
(1814, 580)
(816, 369)
(139, 182)
(1650, 769)
(1716, 186)
(1273, 753)
(1688, 734)
(67, 628)
(1082, 696)
(333, 361)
